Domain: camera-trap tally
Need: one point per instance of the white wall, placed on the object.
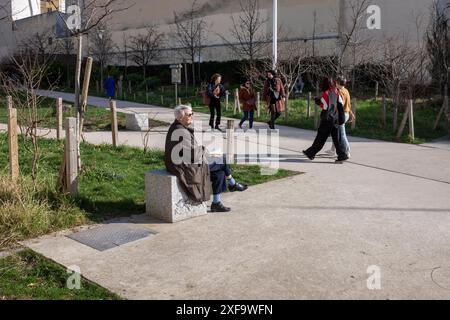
(25, 8)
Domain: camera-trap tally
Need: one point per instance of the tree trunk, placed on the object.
(193, 70)
(101, 75)
(77, 90)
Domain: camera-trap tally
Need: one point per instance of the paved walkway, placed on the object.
(312, 236)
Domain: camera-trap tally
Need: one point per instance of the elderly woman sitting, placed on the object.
(188, 160)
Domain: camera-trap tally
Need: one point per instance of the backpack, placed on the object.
(335, 112)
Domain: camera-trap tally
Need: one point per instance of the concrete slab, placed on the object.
(313, 236)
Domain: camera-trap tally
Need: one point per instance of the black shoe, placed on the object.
(237, 187)
(307, 155)
(218, 128)
(341, 160)
(219, 207)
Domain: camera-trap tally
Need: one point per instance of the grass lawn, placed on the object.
(96, 119)
(29, 276)
(111, 184)
(369, 123)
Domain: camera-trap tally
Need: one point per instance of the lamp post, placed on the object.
(275, 35)
(102, 52)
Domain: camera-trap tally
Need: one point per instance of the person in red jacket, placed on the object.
(275, 96)
(247, 99)
(327, 126)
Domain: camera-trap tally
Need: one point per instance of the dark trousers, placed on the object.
(214, 107)
(274, 114)
(326, 129)
(218, 172)
(248, 115)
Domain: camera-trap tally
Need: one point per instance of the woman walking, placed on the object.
(330, 120)
(275, 96)
(215, 92)
(349, 116)
(248, 101)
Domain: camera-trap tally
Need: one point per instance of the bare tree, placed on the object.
(190, 33)
(399, 69)
(41, 43)
(31, 72)
(67, 48)
(102, 46)
(350, 28)
(79, 20)
(438, 47)
(146, 47)
(248, 38)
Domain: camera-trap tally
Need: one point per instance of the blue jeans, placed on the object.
(343, 134)
(248, 115)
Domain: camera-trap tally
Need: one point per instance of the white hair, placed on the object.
(179, 111)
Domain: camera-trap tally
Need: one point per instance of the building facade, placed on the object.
(320, 24)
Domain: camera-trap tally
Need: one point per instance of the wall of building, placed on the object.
(296, 20)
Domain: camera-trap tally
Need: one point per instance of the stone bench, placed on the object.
(166, 200)
(137, 121)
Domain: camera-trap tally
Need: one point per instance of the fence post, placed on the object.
(258, 103)
(59, 118)
(9, 103)
(441, 112)
(395, 120)
(146, 97)
(114, 125)
(308, 110)
(237, 103)
(376, 90)
(286, 109)
(383, 112)
(97, 87)
(179, 101)
(71, 157)
(354, 112)
(230, 142)
(13, 144)
(227, 100)
(403, 124)
(411, 119)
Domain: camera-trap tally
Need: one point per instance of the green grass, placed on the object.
(96, 119)
(29, 276)
(111, 184)
(369, 122)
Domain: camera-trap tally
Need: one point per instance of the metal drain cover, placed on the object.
(111, 235)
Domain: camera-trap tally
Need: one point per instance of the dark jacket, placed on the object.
(191, 169)
(267, 94)
(212, 87)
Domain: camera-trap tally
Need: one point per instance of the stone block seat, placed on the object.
(137, 121)
(167, 201)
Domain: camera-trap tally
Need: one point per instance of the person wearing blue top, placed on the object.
(110, 87)
(215, 92)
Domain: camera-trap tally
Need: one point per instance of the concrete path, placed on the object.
(313, 236)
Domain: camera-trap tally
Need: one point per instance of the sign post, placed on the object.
(176, 78)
